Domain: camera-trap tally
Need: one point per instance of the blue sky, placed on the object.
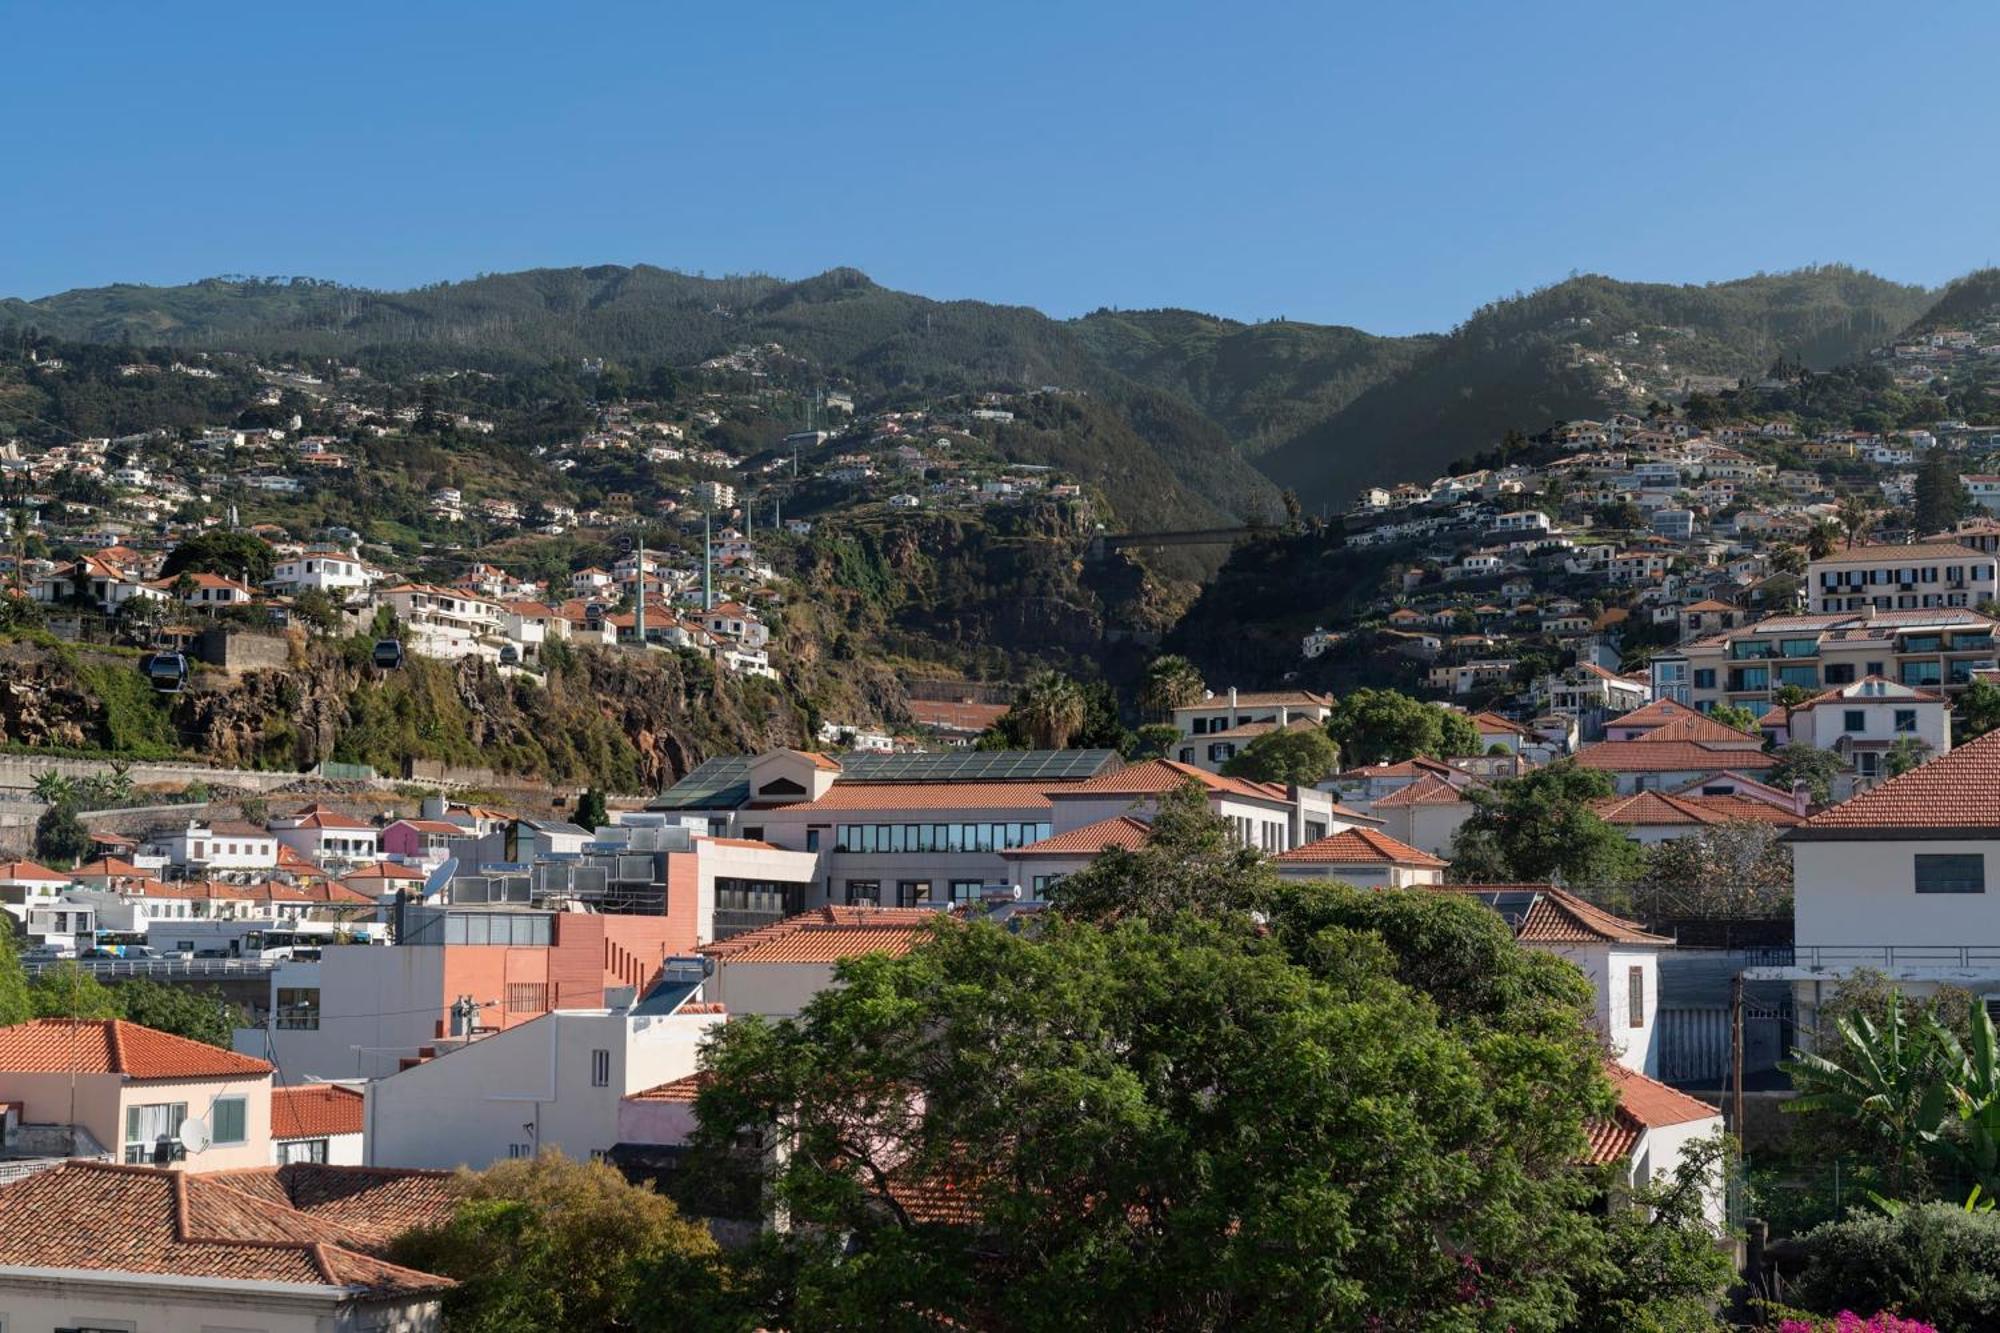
(1390, 165)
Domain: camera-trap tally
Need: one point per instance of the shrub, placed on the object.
(1934, 1262)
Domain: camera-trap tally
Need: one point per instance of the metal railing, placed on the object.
(158, 967)
(1828, 957)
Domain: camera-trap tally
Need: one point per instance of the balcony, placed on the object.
(1890, 958)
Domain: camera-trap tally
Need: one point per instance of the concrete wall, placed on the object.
(20, 771)
(1607, 967)
(776, 990)
(527, 1088)
(376, 1007)
(255, 1150)
(239, 650)
(1862, 894)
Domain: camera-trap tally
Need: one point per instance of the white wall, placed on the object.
(35, 1300)
(1862, 895)
(1608, 968)
(376, 1007)
(776, 990)
(1658, 1157)
(527, 1087)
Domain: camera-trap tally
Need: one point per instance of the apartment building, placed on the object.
(444, 622)
(1931, 650)
(1920, 576)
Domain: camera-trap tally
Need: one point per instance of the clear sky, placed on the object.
(1391, 164)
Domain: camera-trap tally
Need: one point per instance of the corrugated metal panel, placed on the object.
(1694, 1045)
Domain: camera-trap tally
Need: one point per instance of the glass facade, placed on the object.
(932, 838)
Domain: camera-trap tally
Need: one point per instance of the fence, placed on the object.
(194, 968)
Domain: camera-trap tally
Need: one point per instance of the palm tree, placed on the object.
(1855, 516)
(1171, 682)
(1052, 710)
(1821, 538)
(1888, 1079)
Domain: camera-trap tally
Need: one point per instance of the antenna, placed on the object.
(194, 1134)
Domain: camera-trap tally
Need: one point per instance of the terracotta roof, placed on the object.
(108, 868)
(1359, 846)
(1155, 776)
(682, 1090)
(1556, 916)
(1868, 555)
(11, 871)
(431, 826)
(1261, 698)
(1426, 790)
(315, 1110)
(1408, 768)
(1706, 730)
(1494, 722)
(136, 1219)
(1667, 757)
(1655, 807)
(385, 870)
(1847, 694)
(114, 1046)
(374, 1204)
(330, 819)
(1643, 1104)
(927, 796)
(1955, 794)
(1121, 831)
(828, 934)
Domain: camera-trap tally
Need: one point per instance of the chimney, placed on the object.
(1801, 795)
(1232, 696)
(1868, 611)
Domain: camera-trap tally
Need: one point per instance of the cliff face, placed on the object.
(622, 720)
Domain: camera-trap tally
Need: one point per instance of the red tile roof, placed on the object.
(1643, 1104)
(1122, 831)
(114, 1046)
(1668, 757)
(1408, 768)
(1494, 722)
(315, 1110)
(1868, 555)
(1556, 916)
(134, 1219)
(1429, 789)
(682, 1090)
(928, 796)
(1155, 776)
(1955, 794)
(1700, 729)
(385, 870)
(829, 934)
(374, 1204)
(1655, 807)
(1653, 714)
(10, 871)
(1359, 846)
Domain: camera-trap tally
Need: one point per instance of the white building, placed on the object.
(554, 1082)
(217, 849)
(318, 1122)
(1914, 577)
(325, 568)
(1864, 721)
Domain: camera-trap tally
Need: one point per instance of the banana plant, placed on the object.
(1973, 1075)
(1888, 1078)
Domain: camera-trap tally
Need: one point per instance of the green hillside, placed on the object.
(1263, 383)
(1967, 303)
(1584, 347)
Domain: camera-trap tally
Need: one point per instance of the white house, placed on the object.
(217, 849)
(1362, 856)
(317, 1122)
(1899, 880)
(1864, 721)
(554, 1082)
(328, 569)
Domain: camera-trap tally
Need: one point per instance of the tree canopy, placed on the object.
(1540, 826)
(237, 555)
(1303, 755)
(1387, 727)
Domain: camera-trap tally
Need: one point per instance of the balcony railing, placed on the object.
(1887, 957)
(159, 967)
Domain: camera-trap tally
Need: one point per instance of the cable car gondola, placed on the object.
(168, 672)
(389, 654)
(509, 655)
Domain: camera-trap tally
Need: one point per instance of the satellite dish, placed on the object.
(440, 877)
(194, 1134)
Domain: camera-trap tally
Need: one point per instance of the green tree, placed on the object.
(1907, 753)
(1052, 710)
(1110, 1106)
(1734, 715)
(590, 811)
(237, 555)
(1171, 682)
(1887, 1080)
(1192, 862)
(16, 1006)
(1855, 518)
(546, 1243)
(60, 837)
(67, 991)
(1373, 726)
(1801, 762)
(1664, 1263)
(184, 1011)
(52, 788)
(1822, 539)
(1304, 756)
(1539, 827)
(1734, 871)
(1941, 499)
(1978, 710)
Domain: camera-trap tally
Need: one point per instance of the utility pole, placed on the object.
(639, 622)
(1736, 1055)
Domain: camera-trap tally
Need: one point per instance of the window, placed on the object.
(146, 1125)
(1951, 872)
(298, 1008)
(812, 839)
(600, 1069)
(864, 891)
(302, 1150)
(1798, 675)
(1876, 669)
(527, 997)
(227, 1120)
(1854, 720)
(1635, 996)
(1042, 884)
(754, 834)
(1918, 673)
(1906, 719)
(967, 890)
(520, 1150)
(1704, 678)
(1840, 673)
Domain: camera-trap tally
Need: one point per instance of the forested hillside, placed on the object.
(1184, 398)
